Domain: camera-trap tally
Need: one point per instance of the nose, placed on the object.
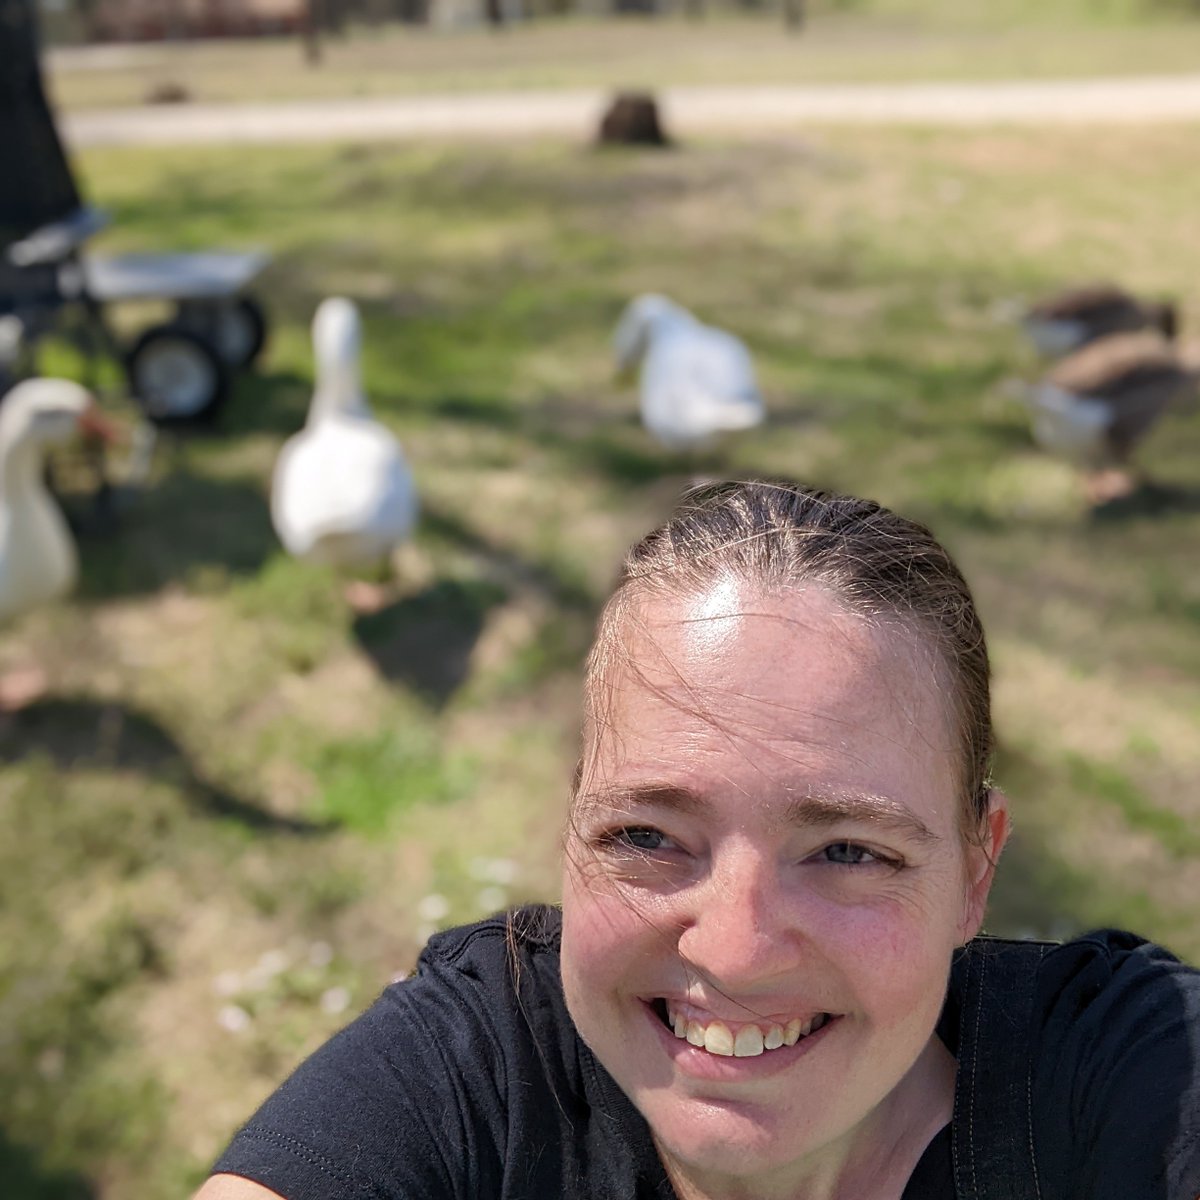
(739, 929)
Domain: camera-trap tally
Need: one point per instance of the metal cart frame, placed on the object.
(178, 371)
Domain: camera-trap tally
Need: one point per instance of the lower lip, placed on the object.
(700, 1064)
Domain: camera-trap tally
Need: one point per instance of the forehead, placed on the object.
(785, 680)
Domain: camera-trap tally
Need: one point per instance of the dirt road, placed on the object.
(687, 110)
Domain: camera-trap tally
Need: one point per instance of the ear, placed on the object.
(982, 858)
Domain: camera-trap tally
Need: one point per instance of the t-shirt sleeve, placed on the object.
(403, 1102)
(1119, 1088)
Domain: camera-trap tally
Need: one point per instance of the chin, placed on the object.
(722, 1139)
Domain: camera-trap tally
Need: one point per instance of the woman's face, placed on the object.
(767, 855)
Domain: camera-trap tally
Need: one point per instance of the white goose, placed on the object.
(38, 561)
(341, 493)
(696, 381)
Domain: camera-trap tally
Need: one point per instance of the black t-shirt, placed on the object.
(468, 1080)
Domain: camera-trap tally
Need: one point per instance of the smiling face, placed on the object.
(766, 877)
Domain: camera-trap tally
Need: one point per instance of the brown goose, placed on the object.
(1071, 319)
(1098, 403)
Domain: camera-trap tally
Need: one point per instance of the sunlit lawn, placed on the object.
(238, 800)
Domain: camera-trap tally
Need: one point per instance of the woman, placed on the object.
(765, 979)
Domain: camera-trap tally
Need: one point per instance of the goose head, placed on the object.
(39, 413)
(337, 348)
(1164, 315)
(642, 316)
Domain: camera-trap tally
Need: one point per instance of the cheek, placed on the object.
(895, 958)
(889, 936)
(599, 925)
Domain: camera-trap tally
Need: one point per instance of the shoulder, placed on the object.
(504, 961)
(1114, 1059)
(1108, 976)
(1094, 968)
(523, 933)
(415, 1096)
(1102, 996)
(479, 989)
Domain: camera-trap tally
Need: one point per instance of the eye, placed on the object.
(640, 837)
(634, 840)
(852, 854)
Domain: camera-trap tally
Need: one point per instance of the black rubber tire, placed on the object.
(238, 348)
(176, 376)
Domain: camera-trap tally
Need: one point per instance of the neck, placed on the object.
(338, 392)
(21, 472)
(873, 1161)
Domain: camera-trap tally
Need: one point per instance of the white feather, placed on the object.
(1066, 424)
(342, 492)
(696, 381)
(38, 560)
(1055, 337)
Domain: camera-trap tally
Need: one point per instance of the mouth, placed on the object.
(742, 1039)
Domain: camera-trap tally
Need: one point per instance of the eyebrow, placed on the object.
(813, 810)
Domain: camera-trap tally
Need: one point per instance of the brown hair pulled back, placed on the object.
(881, 566)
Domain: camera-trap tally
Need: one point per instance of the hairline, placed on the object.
(920, 637)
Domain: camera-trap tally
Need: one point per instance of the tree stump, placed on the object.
(632, 120)
(168, 92)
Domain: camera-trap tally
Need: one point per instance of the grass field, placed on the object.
(241, 809)
(874, 41)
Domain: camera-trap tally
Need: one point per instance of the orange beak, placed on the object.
(95, 426)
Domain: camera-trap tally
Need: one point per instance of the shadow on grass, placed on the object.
(83, 733)
(267, 403)
(589, 437)
(425, 641)
(1149, 500)
(184, 526)
(510, 567)
(1037, 893)
(25, 1179)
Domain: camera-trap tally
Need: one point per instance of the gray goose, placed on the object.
(1072, 319)
(1097, 404)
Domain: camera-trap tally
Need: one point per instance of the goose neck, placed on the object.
(337, 399)
(21, 471)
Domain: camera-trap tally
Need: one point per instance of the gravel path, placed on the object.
(686, 110)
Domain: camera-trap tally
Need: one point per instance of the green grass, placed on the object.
(876, 40)
(1171, 829)
(364, 782)
(232, 768)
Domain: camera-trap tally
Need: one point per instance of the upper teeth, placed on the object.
(717, 1038)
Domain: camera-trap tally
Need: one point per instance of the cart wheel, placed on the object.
(176, 376)
(236, 327)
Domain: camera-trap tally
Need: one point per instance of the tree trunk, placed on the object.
(311, 31)
(335, 17)
(85, 14)
(176, 29)
(793, 14)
